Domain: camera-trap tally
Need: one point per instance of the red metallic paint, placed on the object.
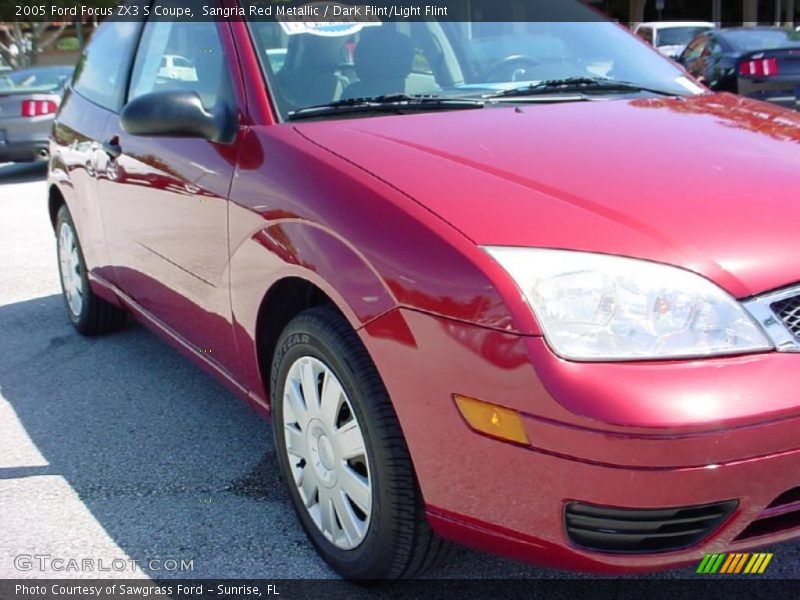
(254, 100)
(669, 180)
(509, 499)
(387, 237)
(384, 216)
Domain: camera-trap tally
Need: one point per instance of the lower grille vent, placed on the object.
(782, 514)
(625, 530)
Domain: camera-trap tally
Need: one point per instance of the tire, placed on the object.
(389, 537)
(89, 314)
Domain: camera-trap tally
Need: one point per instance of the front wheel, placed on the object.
(343, 456)
(90, 314)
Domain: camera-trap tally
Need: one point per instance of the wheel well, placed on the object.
(284, 301)
(54, 202)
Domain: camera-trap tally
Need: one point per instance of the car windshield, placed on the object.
(678, 36)
(760, 39)
(314, 64)
(36, 80)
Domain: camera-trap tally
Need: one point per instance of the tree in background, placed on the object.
(21, 42)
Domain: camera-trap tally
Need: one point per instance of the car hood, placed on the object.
(708, 183)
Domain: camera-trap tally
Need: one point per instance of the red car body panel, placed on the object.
(613, 177)
(385, 216)
(509, 499)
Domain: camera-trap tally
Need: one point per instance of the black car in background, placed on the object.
(758, 62)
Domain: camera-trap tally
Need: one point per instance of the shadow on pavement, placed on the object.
(168, 462)
(23, 172)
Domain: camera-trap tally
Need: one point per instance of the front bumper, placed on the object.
(783, 93)
(28, 151)
(25, 139)
(633, 436)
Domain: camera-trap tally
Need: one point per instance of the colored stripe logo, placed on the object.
(734, 564)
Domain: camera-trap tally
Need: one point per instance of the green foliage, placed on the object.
(68, 43)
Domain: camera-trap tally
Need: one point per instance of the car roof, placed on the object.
(673, 24)
(759, 28)
(725, 33)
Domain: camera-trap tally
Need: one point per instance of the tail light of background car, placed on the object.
(38, 108)
(762, 67)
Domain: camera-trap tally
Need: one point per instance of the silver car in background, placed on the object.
(29, 99)
(671, 37)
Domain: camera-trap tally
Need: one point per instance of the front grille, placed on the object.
(788, 311)
(632, 531)
(778, 313)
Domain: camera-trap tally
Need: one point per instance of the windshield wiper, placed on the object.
(577, 85)
(387, 103)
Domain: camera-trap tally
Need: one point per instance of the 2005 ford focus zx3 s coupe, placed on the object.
(521, 286)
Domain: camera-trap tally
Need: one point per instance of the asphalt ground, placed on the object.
(118, 448)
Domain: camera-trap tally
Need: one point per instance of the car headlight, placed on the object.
(602, 307)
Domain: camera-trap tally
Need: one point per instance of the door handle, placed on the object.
(112, 147)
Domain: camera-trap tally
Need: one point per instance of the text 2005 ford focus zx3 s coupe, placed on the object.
(523, 286)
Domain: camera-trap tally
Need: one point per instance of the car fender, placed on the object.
(58, 180)
(297, 249)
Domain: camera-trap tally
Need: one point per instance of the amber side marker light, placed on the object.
(492, 420)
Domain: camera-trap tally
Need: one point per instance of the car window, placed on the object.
(101, 72)
(646, 34)
(695, 49)
(276, 58)
(541, 51)
(421, 64)
(180, 55)
(487, 49)
(677, 36)
(41, 79)
(312, 64)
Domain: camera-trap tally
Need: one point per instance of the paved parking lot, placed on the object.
(119, 448)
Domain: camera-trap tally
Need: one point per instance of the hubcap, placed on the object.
(71, 278)
(326, 453)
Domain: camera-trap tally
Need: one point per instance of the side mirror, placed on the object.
(177, 113)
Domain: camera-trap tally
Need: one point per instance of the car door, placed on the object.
(96, 94)
(165, 199)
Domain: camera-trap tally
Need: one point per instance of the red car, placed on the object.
(521, 286)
